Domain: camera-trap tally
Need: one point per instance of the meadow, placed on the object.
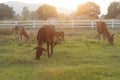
(79, 57)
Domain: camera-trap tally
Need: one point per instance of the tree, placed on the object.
(62, 16)
(89, 9)
(113, 10)
(46, 11)
(17, 17)
(25, 13)
(33, 15)
(6, 12)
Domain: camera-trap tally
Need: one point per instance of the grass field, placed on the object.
(73, 59)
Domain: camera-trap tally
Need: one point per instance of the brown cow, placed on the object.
(102, 30)
(20, 31)
(45, 35)
(59, 35)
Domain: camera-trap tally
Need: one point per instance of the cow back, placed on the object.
(101, 27)
(46, 34)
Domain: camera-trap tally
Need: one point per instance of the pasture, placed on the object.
(79, 57)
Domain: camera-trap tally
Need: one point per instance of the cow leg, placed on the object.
(98, 39)
(104, 41)
(18, 37)
(63, 38)
(52, 49)
(21, 37)
(48, 50)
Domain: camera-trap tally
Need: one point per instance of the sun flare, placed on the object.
(72, 4)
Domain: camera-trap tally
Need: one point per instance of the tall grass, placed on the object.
(71, 59)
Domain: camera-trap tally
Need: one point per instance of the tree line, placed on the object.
(88, 10)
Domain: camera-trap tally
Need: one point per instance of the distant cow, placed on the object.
(59, 35)
(102, 30)
(45, 35)
(20, 31)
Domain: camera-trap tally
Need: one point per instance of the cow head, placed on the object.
(111, 39)
(39, 52)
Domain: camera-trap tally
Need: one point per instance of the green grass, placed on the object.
(71, 59)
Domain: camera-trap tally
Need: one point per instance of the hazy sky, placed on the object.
(69, 4)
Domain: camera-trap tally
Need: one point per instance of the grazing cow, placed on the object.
(59, 35)
(45, 35)
(102, 30)
(20, 31)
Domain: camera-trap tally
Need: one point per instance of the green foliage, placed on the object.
(46, 12)
(113, 10)
(90, 9)
(71, 59)
(6, 12)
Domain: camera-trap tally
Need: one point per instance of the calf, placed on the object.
(45, 35)
(102, 30)
(59, 35)
(20, 31)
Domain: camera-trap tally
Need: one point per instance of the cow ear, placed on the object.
(35, 48)
(112, 35)
(44, 50)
